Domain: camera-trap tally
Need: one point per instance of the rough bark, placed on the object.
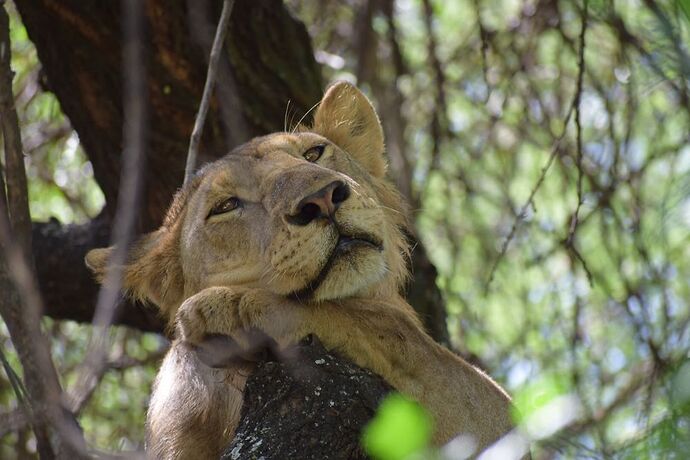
(267, 58)
(313, 406)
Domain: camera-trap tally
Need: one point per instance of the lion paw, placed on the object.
(242, 314)
(211, 311)
(191, 323)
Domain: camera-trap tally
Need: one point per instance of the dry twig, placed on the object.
(439, 114)
(193, 151)
(542, 175)
(570, 239)
(574, 107)
(131, 184)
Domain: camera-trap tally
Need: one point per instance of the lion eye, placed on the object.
(224, 206)
(314, 153)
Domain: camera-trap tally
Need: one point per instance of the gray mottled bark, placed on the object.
(312, 406)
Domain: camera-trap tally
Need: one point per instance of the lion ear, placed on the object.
(97, 261)
(346, 117)
(152, 271)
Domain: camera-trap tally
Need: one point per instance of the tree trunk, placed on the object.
(267, 61)
(313, 406)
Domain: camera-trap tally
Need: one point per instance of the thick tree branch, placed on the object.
(67, 286)
(56, 431)
(311, 407)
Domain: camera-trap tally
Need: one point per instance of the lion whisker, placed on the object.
(294, 128)
(285, 117)
(390, 209)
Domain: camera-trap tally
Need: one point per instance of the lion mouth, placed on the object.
(348, 243)
(345, 245)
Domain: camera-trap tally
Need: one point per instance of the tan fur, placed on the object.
(239, 270)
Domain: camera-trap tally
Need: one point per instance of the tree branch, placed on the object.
(570, 239)
(329, 400)
(129, 196)
(56, 432)
(194, 140)
(68, 287)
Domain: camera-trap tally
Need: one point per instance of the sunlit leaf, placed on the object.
(401, 427)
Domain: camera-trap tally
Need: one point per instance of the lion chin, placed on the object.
(355, 263)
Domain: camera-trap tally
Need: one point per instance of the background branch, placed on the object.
(208, 89)
(56, 430)
(129, 198)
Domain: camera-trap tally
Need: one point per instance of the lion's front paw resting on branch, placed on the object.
(288, 235)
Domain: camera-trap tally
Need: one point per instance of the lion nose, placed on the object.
(322, 203)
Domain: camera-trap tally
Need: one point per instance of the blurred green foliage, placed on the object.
(508, 72)
(539, 393)
(401, 428)
(61, 183)
(614, 348)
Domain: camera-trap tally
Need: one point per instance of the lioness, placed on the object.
(294, 234)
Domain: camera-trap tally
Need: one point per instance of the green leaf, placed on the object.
(401, 428)
(538, 394)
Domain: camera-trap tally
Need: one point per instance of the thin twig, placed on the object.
(578, 127)
(484, 47)
(221, 30)
(130, 189)
(82, 394)
(554, 151)
(203, 29)
(439, 114)
(570, 239)
(574, 107)
(15, 382)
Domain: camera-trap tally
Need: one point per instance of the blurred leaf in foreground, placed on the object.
(538, 394)
(401, 428)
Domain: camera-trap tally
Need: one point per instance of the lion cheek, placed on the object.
(295, 261)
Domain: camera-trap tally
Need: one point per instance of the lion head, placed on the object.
(306, 214)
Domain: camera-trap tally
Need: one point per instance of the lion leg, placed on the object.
(194, 409)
